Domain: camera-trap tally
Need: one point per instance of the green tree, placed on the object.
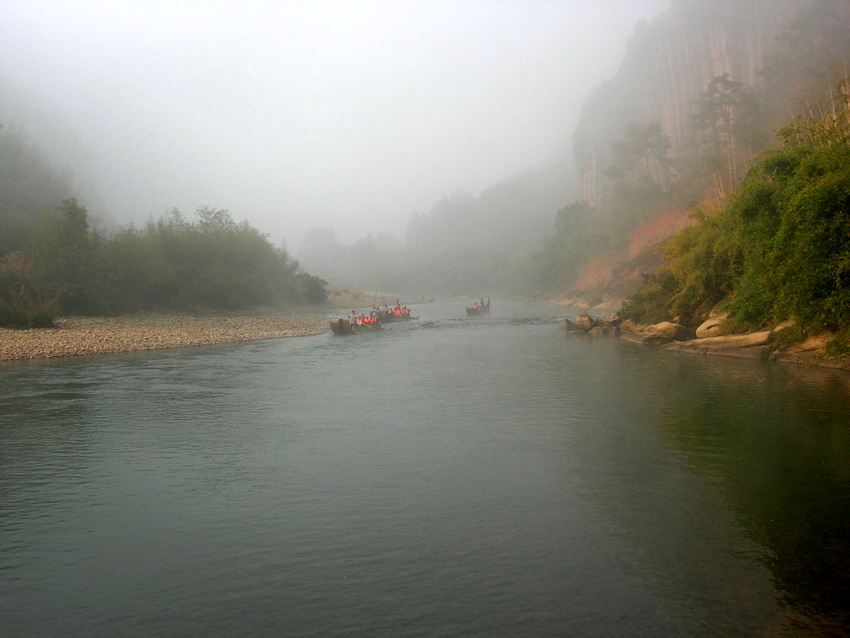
(558, 262)
(727, 117)
(640, 158)
(780, 247)
(65, 258)
(22, 304)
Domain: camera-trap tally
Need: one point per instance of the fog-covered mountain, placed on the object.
(702, 91)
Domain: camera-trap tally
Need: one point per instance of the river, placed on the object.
(450, 476)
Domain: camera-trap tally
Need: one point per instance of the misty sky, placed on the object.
(295, 114)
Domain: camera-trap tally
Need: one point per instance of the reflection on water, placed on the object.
(452, 476)
(794, 500)
(775, 439)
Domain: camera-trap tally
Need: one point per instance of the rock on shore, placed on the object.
(673, 336)
(753, 345)
(74, 336)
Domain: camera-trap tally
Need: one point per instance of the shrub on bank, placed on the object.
(26, 311)
(21, 303)
(212, 263)
(779, 249)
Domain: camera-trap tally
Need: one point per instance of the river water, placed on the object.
(446, 477)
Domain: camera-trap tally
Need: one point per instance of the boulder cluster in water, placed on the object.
(74, 336)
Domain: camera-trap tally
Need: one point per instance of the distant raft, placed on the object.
(478, 308)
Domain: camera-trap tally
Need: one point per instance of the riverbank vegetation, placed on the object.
(646, 168)
(670, 174)
(53, 261)
(778, 250)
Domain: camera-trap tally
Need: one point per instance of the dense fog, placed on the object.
(343, 115)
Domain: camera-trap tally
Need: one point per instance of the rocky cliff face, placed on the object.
(669, 62)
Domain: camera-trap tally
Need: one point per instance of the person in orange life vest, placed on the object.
(397, 304)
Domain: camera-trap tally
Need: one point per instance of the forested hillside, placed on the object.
(53, 261)
(701, 92)
(699, 98)
(777, 250)
(700, 95)
(463, 245)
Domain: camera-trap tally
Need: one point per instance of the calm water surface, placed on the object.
(448, 477)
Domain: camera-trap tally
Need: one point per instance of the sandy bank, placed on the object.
(74, 336)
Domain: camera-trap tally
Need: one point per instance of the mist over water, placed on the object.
(448, 476)
(452, 476)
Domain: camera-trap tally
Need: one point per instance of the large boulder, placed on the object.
(630, 326)
(754, 345)
(585, 322)
(645, 337)
(610, 320)
(785, 325)
(670, 330)
(603, 330)
(811, 351)
(713, 326)
(656, 334)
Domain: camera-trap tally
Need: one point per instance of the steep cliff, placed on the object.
(701, 93)
(669, 63)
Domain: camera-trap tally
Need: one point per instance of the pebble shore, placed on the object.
(74, 336)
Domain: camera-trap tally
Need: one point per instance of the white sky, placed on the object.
(295, 114)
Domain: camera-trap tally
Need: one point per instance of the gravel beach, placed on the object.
(75, 336)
